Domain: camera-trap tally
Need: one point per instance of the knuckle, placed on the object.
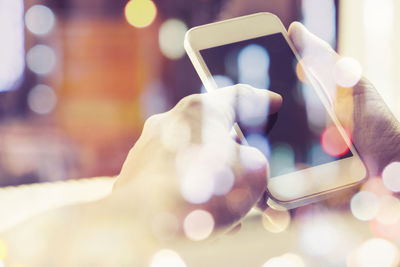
(194, 101)
(241, 88)
(153, 121)
(237, 88)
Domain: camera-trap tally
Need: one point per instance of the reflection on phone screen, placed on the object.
(301, 134)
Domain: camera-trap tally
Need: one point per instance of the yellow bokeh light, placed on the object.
(140, 13)
(3, 250)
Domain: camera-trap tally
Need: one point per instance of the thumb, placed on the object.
(305, 42)
(336, 74)
(316, 56)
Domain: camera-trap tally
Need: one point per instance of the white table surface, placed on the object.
(327, 239)
(20, 202)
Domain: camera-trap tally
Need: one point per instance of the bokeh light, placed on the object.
(364, 205)
(253, 64)
(2, 263)
(389, 211)
(42, 99)
(140, 13)
(251, 160)
(260, 142)
(3, 250)
(223, 181)
(41, 59)
(391, 176)
(282, 158)
(170, 38)
(374, 252)
(198, 225)
(286, 260)
(319, 237)
(294, 258)
(275, 221)
(196, 182)
(167, 258)
(204, 171)
(252, 110)
(197, 185)
(347, 72)
(384, 230)
(12, 53)
(333, 142)
(39, 19)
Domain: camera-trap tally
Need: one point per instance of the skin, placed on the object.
(375, 131)
(149, 182)
(209, 118)
(148, 185)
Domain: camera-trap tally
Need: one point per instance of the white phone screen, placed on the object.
(301, 134)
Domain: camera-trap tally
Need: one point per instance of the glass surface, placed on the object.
(301, 134)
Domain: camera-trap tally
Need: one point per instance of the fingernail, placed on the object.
(275, 101)
(300, 26)
(274, 95)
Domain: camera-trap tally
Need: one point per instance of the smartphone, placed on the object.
(310, 154)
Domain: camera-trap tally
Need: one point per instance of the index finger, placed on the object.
(244, 103)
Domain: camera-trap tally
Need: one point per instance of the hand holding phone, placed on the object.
(310, 152)
(375, 130)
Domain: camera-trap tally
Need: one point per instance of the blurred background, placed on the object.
(79, 78)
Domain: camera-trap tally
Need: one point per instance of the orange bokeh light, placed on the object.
(388, 231)
(301, 75)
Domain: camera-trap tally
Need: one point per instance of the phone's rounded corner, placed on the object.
(277, 196)
(310, 191)
(187, 40)
(276, 205)
(269, 14)
(360, 170)
(363, 176)
(286, 204)
(283, 203)
(270, 17)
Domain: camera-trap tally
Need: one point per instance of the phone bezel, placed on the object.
(248, 27)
